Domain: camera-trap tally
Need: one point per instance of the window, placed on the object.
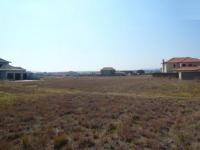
(1, 65)
(174, 66)
(184, 65)
(190, 65)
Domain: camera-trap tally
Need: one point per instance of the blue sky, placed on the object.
(63, 35)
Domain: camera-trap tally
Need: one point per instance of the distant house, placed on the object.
(108, 71)
(72, 73)
(186, 67)
(8, 72)
(140, 72)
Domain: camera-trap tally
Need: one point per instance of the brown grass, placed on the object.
(100, 113)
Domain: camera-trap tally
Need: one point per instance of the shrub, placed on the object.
(112, 127)
(60, 141)
(86, 143)
(26, 143)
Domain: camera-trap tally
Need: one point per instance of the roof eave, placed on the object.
(183, 62)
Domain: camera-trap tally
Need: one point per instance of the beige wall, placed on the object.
(169, 67)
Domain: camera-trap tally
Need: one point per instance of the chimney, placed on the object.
(163, 65)
(163, 61)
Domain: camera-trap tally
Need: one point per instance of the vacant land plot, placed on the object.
(100, 113)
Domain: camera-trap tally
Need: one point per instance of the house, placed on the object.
(8, 72)
(173, 64)
(188, 68)
(108, 71)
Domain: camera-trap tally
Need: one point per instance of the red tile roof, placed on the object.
(183, 60)
(188, 69)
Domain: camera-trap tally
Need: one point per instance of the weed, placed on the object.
(60, 141)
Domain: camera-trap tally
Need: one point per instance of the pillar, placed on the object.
(180, 75)
(13, 76)
(5, 77)
(22, 76)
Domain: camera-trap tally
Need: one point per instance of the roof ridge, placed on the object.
(183, 59)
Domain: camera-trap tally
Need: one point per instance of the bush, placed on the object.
(86, 143)
(60, 141)
(166, 75)
(26, 143)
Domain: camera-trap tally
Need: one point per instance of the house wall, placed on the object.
(189, 64)
(169, 67)
(189, 75)
(2, 75)
(12, 75)
(107, 72)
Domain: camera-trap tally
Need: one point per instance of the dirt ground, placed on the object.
(118, 113)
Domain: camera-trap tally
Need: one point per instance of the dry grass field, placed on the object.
(118, 113)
